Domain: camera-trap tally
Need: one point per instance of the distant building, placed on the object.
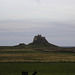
(38, 37)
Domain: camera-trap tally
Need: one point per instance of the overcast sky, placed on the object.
(21, 20)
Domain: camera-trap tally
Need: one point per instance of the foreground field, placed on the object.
(31, 55)
(41, 60)
(41, 68)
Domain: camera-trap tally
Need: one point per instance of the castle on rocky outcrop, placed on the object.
(41, 41)
(38, 41)
(38, 37)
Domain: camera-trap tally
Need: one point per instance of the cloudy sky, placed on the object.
(21, 20)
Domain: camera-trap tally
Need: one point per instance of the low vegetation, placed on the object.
(41, 68)
(35, 55)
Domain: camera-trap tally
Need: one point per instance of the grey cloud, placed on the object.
(54, 9)
(54, 19)
(55, 32)
(38, 1)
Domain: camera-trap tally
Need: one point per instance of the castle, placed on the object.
(38, 37)
(38, 41)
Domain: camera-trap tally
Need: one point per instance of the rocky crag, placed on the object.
(40, 41)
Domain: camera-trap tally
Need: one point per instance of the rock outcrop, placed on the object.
(41, 41)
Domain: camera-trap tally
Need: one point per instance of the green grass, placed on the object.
(42, 68)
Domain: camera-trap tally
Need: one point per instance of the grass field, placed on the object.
(31, 55)
(14, 61)
(41, 68)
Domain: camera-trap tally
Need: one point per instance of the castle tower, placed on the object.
(38, 37)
